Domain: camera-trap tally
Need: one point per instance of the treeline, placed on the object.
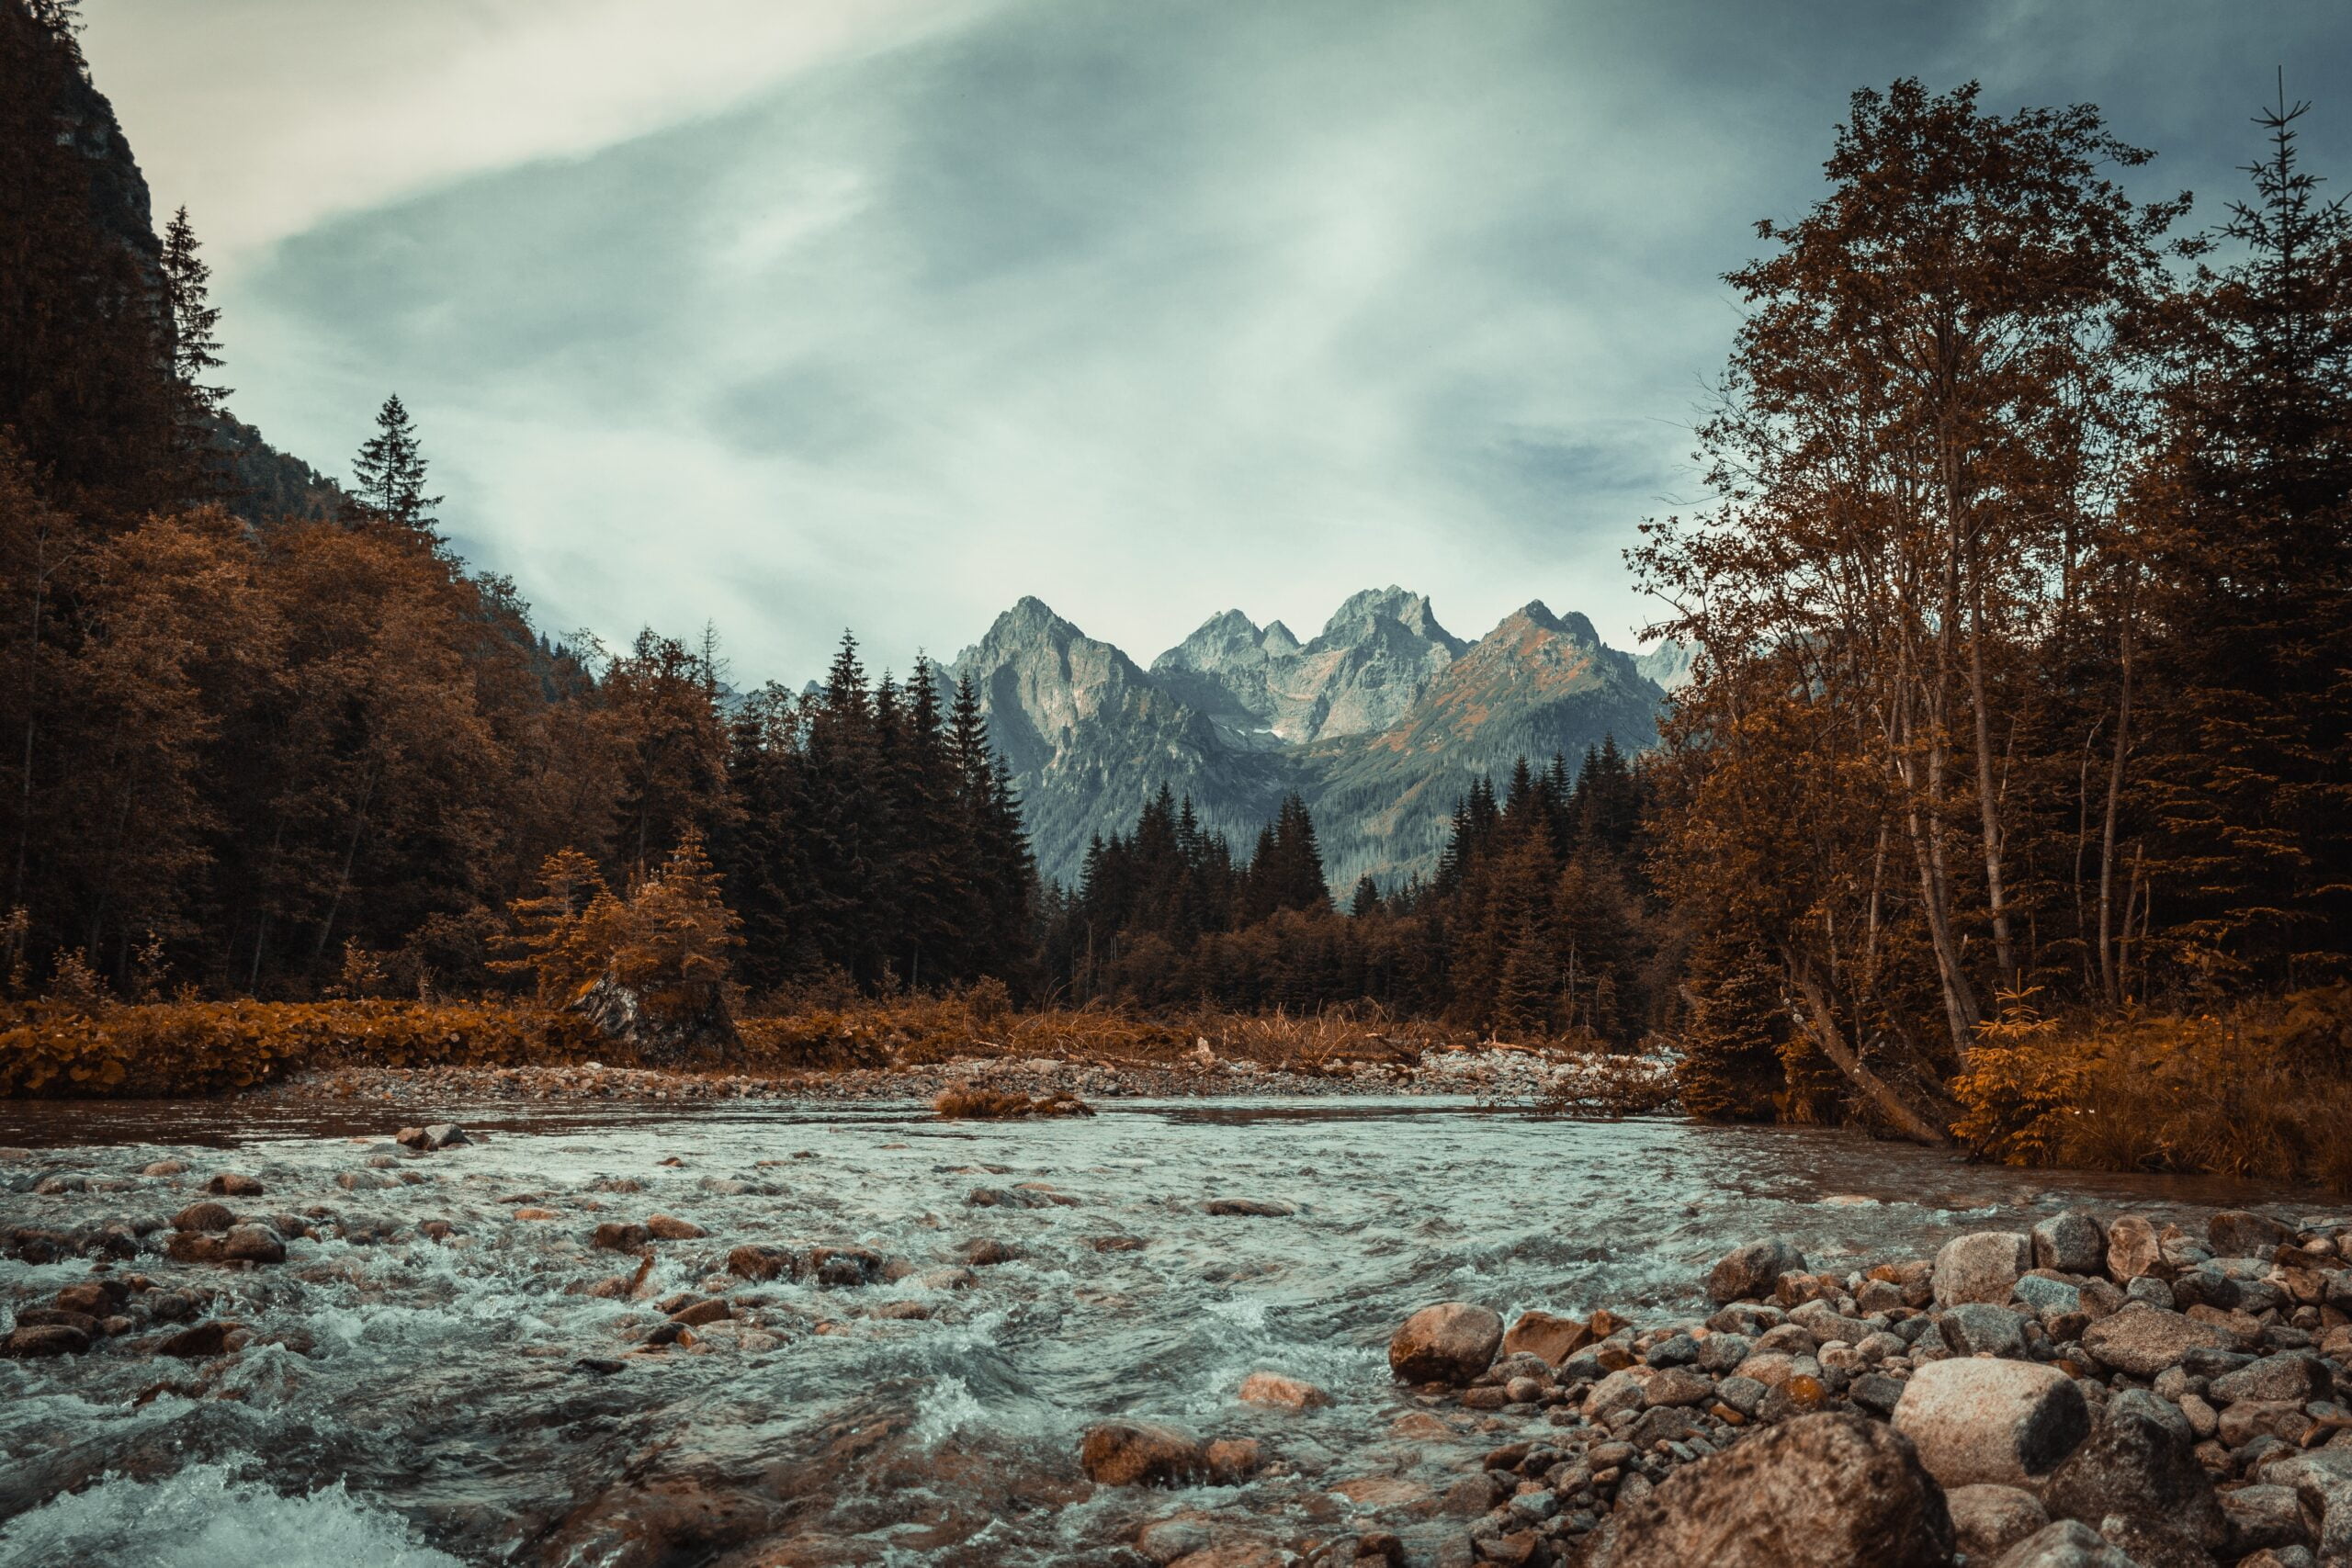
(2024, 649)
(266, 736)
(1539, 921)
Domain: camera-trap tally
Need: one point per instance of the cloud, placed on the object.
(1147, 309)
(267, 116)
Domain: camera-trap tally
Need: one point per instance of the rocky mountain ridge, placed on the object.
(1382, 721)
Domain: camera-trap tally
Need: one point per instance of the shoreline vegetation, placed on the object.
(2259, 1092)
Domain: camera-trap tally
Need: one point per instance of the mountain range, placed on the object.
(1381, 721)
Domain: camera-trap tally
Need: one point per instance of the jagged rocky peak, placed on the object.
(1362, 611)
(1668, 664)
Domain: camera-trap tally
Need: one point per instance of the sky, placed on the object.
(792, 316)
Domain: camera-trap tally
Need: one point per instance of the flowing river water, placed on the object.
(428, 1406)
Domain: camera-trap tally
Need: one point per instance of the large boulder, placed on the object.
(2006, 1422)
(2066, 1544)
(1987, 1520)
(1141, 1453)
(2143, 1340)
(1981, 1268)
(1750, 1272)
(2140, 1462)
(1451, 1342)
(2071, 1242)
(1817, 1492)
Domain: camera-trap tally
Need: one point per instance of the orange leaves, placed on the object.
(195, 1048)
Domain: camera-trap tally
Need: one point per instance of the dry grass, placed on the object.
(2262, 1090)
(961, 1102)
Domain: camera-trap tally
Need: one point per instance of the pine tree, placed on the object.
(195, 343)
(388, 472)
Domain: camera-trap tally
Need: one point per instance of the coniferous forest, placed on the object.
(2022, 610)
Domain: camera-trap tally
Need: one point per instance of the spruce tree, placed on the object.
(388, 472)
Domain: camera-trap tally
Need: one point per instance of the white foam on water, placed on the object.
(945, 1409)
(203, 1519)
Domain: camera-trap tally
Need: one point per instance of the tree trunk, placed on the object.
(1915, 1123)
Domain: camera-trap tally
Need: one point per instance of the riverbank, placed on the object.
(1589, 1082)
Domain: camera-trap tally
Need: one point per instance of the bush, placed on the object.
(2264, 1091)
(190, 1048)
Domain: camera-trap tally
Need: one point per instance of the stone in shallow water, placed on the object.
(1543, 1334)
(229, 1184)
(1451, 1342)
(1750, 1272)
(1278, 1393)
(1138, 1453)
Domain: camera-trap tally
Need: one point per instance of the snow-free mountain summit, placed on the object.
(1382, 721)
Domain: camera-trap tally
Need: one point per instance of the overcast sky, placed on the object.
(799, 314)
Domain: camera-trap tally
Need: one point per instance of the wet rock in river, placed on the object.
(192, 1247)
(1751, 1272)
(40, 1340)
(1452, 1343)
(1820, 1489)
(253, 1244)
(94, 1298)
(1276, 1392)
(201, 1342)
(986, 1251)
(1232, 1460)
(230, 1184)
(1252, 1207)
(2004, 1422)
(694, 1315)
(615, 1235)
(438, 1135)
(1541, 1334)
(1981, 1268)
(751, 1261)
(669, 1227)
(1132, 1453)
(164, 1167)
(204, 1216)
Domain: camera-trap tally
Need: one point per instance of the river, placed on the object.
(429, 1408)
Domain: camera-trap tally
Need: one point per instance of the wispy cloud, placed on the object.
(1147, 309)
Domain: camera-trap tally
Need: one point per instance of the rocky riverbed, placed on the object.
(762, 1335)
(1500, 1073)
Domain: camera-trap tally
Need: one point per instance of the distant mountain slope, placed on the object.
(1091, 739)
(1537, 684)
(1381, 721)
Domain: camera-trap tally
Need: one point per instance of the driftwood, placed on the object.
(1914, 1122)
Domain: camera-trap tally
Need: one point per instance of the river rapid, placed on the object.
(419, 1401)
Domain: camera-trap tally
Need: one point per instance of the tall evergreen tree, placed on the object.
(388, 472)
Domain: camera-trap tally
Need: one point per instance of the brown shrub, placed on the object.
(965, 1102)
(189, 1047)
(2262, 1090)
